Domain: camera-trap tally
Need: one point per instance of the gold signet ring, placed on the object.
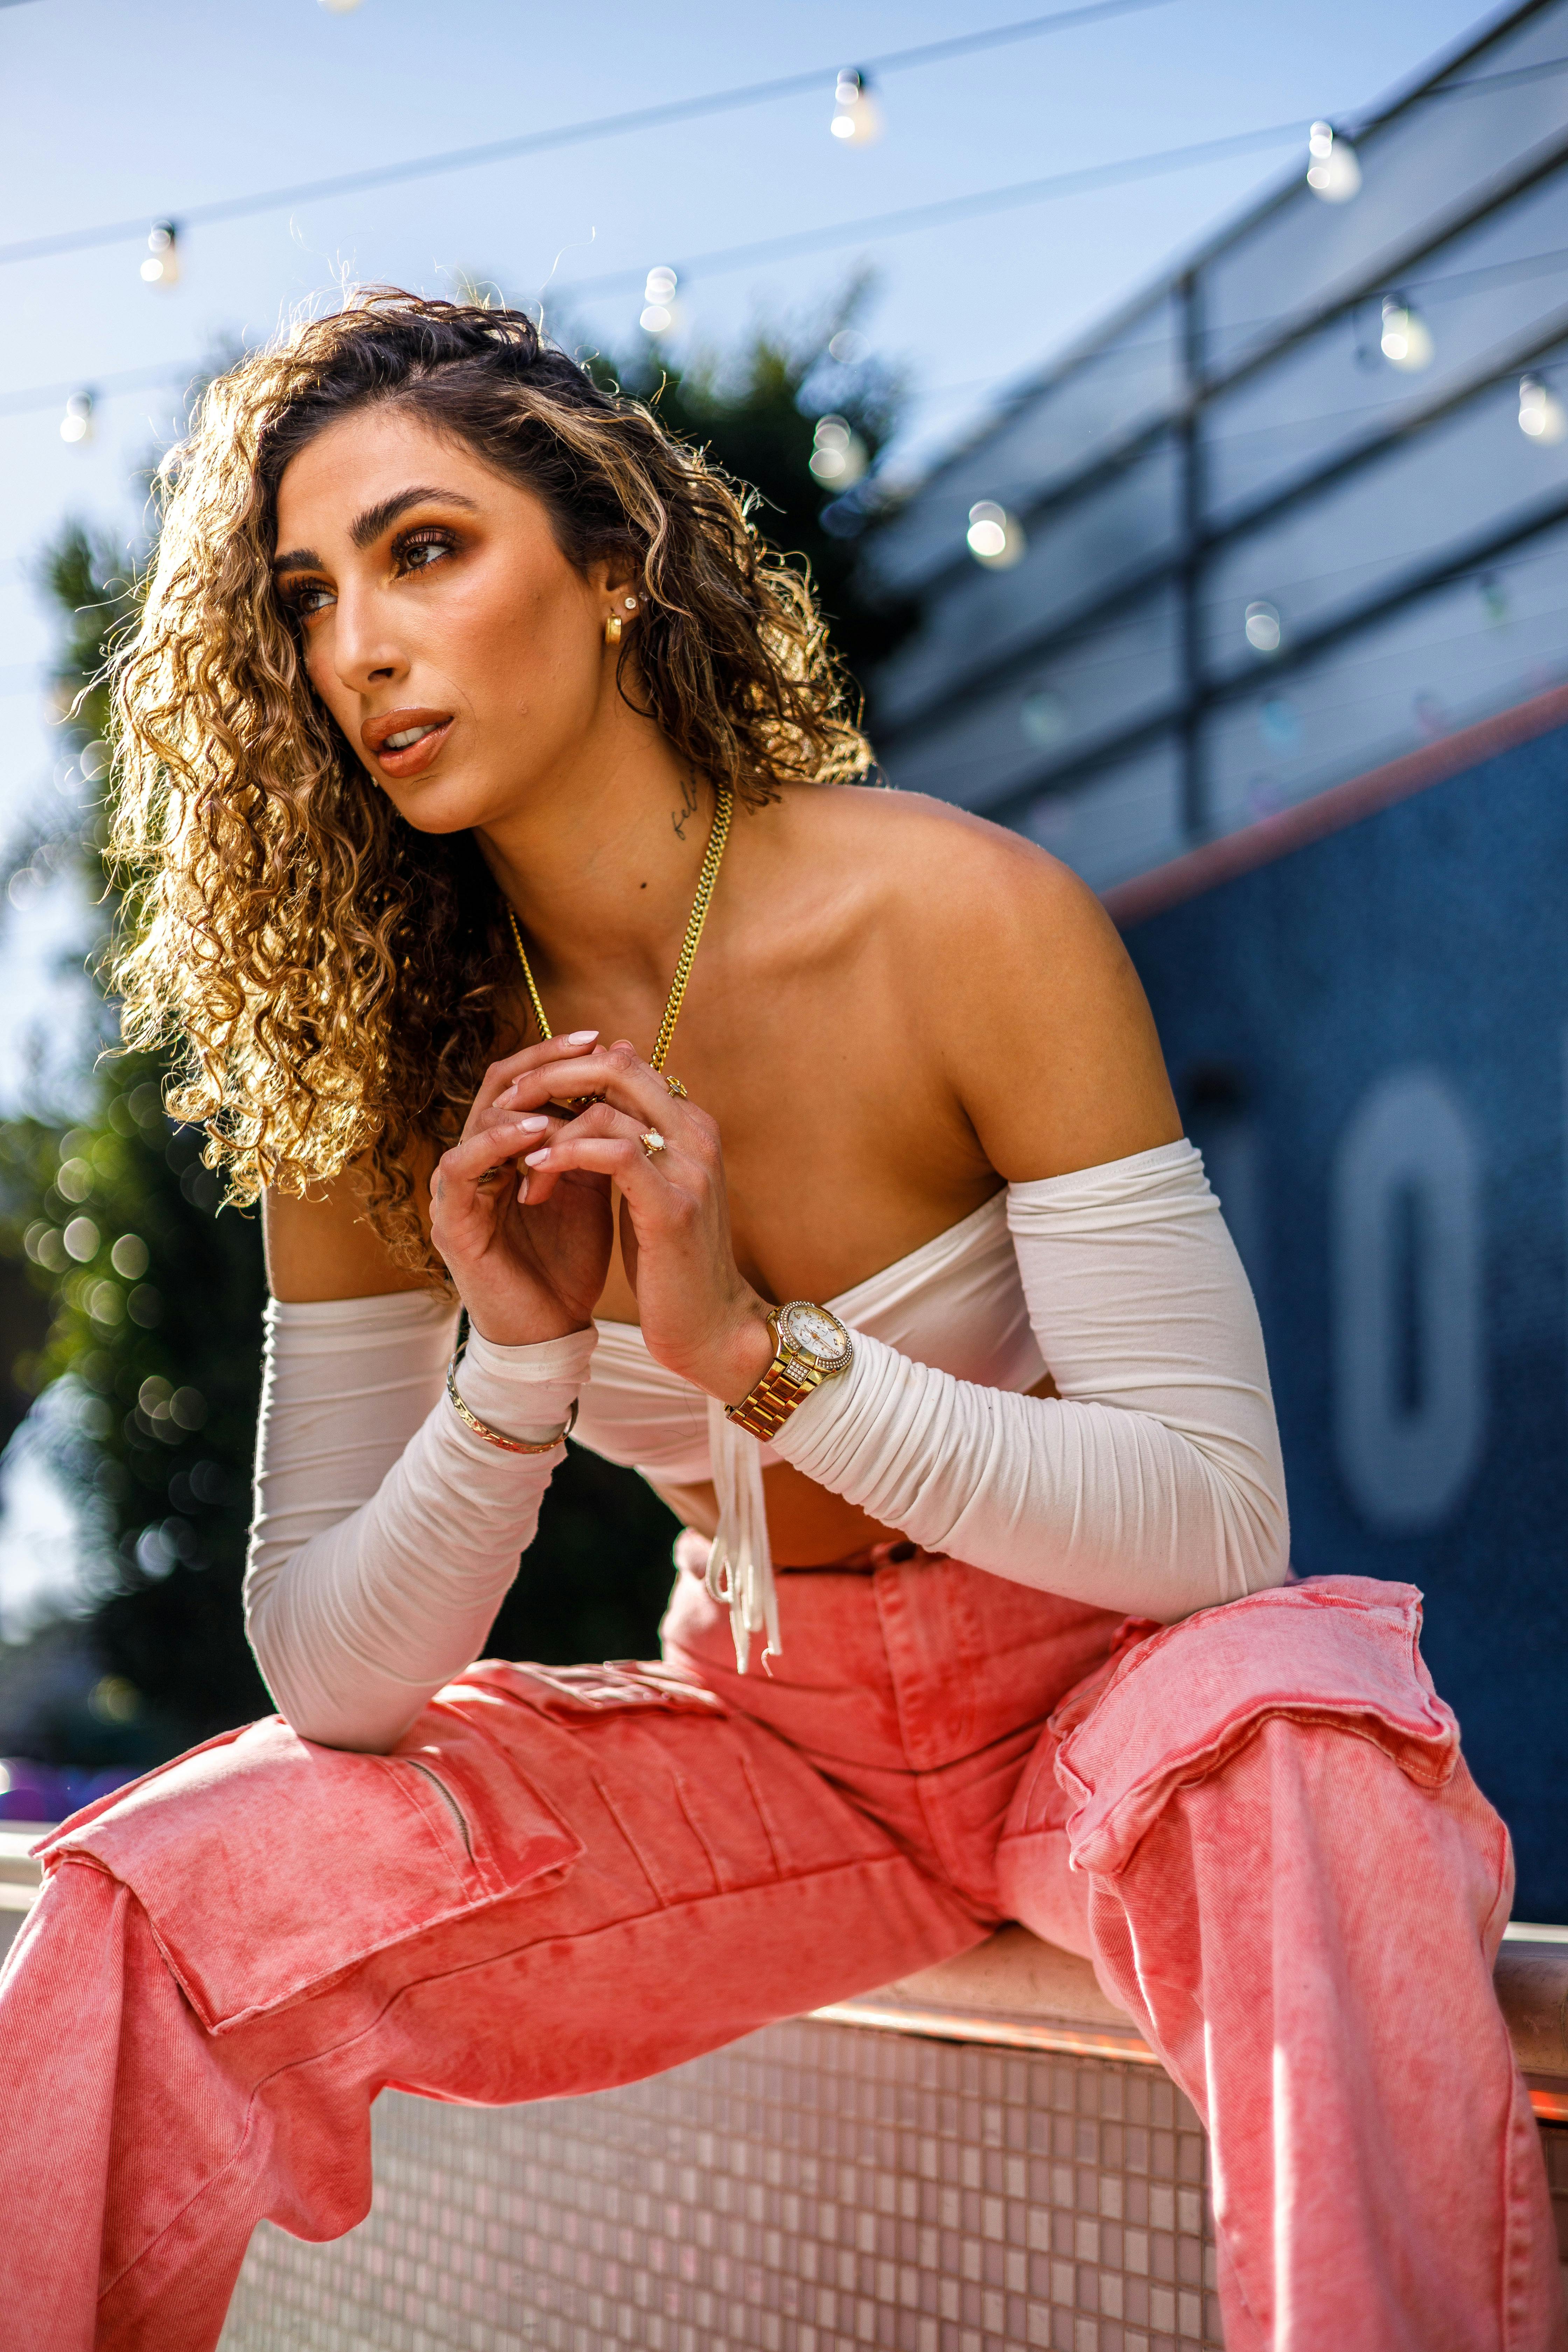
(676, 1089)
(652, 1142)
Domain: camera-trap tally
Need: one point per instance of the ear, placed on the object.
(616, 577)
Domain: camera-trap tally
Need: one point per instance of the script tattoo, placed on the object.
(687, 807)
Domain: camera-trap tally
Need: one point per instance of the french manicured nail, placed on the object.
(535, 1126)
(535, 1158)
(582, 1037)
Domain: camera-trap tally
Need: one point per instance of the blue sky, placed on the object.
(113, 112)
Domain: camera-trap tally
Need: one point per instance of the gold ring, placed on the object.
(676, 1089)
(652, 1142)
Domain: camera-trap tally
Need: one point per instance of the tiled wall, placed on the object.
(816, 2187)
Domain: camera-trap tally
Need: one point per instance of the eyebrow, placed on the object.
(368, 527)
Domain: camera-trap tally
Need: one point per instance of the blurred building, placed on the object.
(1255, 610)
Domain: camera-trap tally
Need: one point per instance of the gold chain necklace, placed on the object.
(718, 836)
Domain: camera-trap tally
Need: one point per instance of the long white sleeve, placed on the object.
(385, 1532)
(1154, 1484)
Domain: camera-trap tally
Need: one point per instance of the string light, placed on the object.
(847, 348)
(1542, 414)
(1333, 167)
(76, 425)
(658, 301)
(161, 266)
(838, 456)
(1262, 628)
(1406, 339)
(996, 537)
(856, 117)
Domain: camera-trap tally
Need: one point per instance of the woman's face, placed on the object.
(461, 653)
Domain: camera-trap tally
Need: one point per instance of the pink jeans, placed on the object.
(1257, 1823)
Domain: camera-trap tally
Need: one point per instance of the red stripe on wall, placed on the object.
(1252, 846)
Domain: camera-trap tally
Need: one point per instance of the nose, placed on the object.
(366, 651)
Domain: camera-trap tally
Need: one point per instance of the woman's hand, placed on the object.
(524, 1274)
(699, 1315)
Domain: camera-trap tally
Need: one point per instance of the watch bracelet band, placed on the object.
(784, 1386)
(493, 1436)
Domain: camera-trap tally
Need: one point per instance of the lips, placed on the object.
(405, 742)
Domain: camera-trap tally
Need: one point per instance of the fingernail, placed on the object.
(582, 1037)
(533, 1126)
(506, 1095)
(521, 1188)
(535, 1158)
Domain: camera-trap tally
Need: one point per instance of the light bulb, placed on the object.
(1540, 413)
(996, 537)
(856, 117)
(76, 425)
(161, 266)
(1262, 628)
(838, 456)
(1333, 168)
(1406, 339)
(658, 299)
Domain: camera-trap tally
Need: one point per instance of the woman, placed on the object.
(462, 696)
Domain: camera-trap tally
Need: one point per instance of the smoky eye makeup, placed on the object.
(299, 597)
(424, 546)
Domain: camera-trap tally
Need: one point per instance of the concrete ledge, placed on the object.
(1014, 1992)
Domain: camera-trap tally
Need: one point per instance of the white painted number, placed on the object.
(1409, 1390)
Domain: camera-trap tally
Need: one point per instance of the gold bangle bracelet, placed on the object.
(493, 1436)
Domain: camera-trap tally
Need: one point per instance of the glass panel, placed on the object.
(1119, 823)
(1049, 716)
(1486, 291)
(1077, 551)
(1465, 477)
(1488, 641)
(1434, 158)
(1053, 433)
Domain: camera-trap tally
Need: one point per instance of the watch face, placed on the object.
(813, 1331)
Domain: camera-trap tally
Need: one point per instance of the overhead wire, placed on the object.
(948, 209)
(909, 219)
(566, 134)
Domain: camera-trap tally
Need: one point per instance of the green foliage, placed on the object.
(153, 1307)
(755, 412)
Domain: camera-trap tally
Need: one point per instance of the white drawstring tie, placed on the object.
(741, 1563)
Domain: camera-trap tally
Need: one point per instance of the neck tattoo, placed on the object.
(687, 807)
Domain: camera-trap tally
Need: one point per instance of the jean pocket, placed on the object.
(1337, 1650)
(567, 1694)
(268, 1866)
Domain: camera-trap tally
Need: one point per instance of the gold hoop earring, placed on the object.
(612, 630)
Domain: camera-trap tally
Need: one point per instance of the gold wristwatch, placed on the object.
(810, 1346)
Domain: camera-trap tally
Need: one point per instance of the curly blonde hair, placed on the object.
(330, 984)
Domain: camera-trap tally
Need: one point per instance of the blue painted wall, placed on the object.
(1428, 937)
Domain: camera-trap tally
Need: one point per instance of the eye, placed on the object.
(306, 598)
(417, 551)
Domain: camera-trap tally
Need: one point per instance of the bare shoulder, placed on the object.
(1021, 981)
(939, 875)
(320, 1246)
